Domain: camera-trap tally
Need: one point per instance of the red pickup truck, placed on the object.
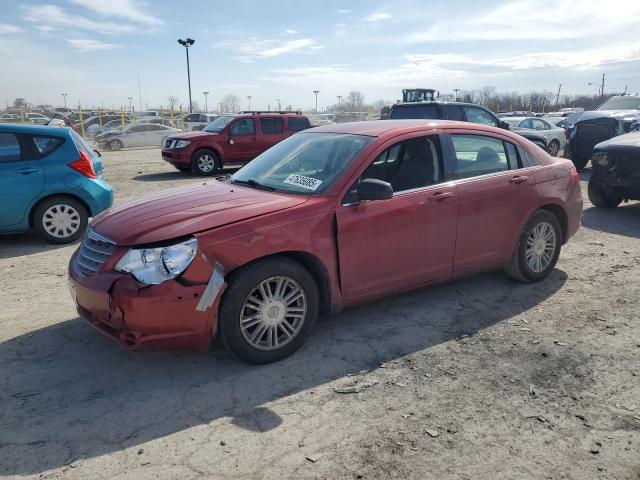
(231, 139)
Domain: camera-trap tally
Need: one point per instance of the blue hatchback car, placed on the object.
(50, 181)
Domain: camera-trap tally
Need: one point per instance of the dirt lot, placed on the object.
(479, 378)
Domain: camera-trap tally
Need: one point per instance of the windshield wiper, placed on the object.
(255, 184)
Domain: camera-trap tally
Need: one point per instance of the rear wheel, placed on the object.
(115, 145)
(60, 219)
(537, 249)
(599, 196)
(205, 162)
(554, 148)
(268, 310)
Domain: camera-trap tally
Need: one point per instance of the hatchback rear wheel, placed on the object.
(268, 310)
(60, 219)
(537, 249)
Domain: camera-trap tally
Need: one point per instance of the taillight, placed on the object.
(575, 176)
(84, 166)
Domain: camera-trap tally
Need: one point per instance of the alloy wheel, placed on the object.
(206, 163)
(61, 221)
(553, 149)
(273, 313)
(541, 246)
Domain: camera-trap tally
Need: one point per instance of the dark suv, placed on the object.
(462, 112)
(231, 139)
(615, 174)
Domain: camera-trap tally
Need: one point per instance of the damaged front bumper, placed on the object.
(174, 315)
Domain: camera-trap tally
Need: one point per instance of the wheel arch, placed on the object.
(561, 215)
(36, 204)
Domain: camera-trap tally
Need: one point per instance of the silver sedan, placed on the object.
(136, 135)
(555, 136)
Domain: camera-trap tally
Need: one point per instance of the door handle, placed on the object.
(26, 170)
(440, 196)
(518, 179)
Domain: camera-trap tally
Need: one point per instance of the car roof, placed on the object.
(33, 129)
(437, 102)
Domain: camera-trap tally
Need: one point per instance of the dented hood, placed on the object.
(615, 114)
(186, 210)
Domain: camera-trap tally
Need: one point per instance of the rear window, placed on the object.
(271, 125)
(46, 145)
(9, 148)
(297, 124)
(416, 111)
(81, 144)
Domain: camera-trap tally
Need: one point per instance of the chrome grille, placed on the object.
(93, 252)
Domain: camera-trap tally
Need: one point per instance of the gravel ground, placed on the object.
(478, 378)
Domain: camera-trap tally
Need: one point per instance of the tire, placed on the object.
(60, 219)
(205, 162)
(115, 145)
(244, 285)
(580, 163)
(554, 148)
(519, 268)
(600, 197)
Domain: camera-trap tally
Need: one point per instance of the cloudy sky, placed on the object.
(94, 50)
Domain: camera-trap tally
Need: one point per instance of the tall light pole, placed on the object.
(130, 104)
(456, 90)
(206, 105)
(316, 92)
(249, 98)
(339, 101)
(64, 97)
(139, 95)
(186, 44)
(278, 102)
(596, 85)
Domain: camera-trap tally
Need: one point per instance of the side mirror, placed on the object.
(374, 189)
(504, 125)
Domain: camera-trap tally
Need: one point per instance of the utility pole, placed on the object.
(625, 90)
(64, 96)
(206, 105)
(339, 100)
(139, 95)
(602, 88)
(130, 104)
(456, 90)
(249, 98)
(278, 102)
(316, 92)
(558, 96)
(186, 44)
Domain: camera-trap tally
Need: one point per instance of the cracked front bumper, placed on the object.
(144, 318)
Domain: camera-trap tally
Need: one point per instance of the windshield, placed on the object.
(306, 163)
(621, 103)
(218, 124)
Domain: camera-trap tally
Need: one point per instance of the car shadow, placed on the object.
(17, 245)
(622, 220)
(68, 393)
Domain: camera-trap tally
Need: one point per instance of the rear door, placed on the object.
(408, 239)
(21, 177)
(271, 131)
(496, 195)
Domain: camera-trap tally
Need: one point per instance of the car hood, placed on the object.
(621, 142)
(193, 134)
(186, 210)
(615, 114)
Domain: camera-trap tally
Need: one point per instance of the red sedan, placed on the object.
(329, 217)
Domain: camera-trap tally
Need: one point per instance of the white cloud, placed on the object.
(54, 16)
(135, 11)
(255, 48)
(90, 45)
(343, 11)
(378, 17)
(290, 31)
(8, 29)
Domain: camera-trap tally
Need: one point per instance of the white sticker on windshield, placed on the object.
(304, 182)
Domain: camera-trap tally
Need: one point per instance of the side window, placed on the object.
(477, 115)
(270, 125)
(480, 155)
(410, 164)
(9, 148)
(244, 126)
(539, 124)
(454, 112)
(526, 123)
(46, 145)
(297, 124)
(191, 118)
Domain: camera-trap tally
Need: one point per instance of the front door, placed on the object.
(21, 178)
(243, 142)
(408, 239)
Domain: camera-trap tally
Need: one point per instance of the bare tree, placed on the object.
(173, 101)
(355, 100)
(230, 103)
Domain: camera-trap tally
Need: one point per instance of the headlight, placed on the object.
(601, 158)
(181, 143)
(155, 265)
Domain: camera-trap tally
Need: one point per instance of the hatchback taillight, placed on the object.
(84, 166)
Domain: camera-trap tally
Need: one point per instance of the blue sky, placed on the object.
(94, 50)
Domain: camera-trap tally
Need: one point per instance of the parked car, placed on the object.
(38, 118)
(135, 135)
(231, 139)
(10, 118)
(327, 218)
(555, 137)
(615, 174)
(614, 117)
(192, 121)
(50, 181)
(92, 125)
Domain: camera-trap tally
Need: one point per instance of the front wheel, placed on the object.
(268, 310)
(60, 219)
(599, 196)
(538, 248)
(205, 162)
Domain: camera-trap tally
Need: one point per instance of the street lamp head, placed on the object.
(190, 41)
(186, 43)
